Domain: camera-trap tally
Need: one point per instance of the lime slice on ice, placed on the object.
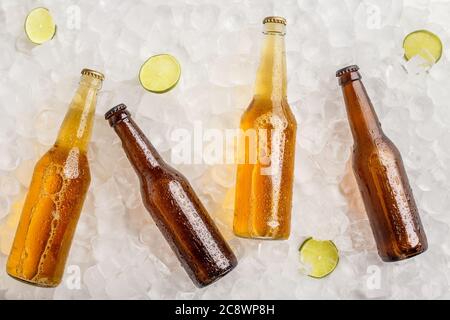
(423, 43)
(321, 257)
(39, 25)
(160, 73)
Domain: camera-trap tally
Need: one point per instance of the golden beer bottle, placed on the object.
(265, 170)
(381, 177)
(55, 198)
(174, 206)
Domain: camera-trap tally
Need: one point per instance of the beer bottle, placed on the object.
(55, 198)
(266, 151)
(381, 177)
(174, 206)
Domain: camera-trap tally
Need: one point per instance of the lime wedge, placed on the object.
(423, 43)
(39, 26)
(160, 73)
(320, 257)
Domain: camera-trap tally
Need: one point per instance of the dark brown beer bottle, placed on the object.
(381, 177)
(174, 206)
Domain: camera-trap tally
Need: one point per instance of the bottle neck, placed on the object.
(141, 153)
(76, 129)
(361, 114)
(271, 83)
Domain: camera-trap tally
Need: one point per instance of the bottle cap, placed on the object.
(117, 114)
(93, 73)
(119, 107)
(274, 19)
(347, 69)
(348, 74)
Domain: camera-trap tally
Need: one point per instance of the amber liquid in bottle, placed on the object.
(265, 170)
(55, 198)
(381, 176)
(174, 206)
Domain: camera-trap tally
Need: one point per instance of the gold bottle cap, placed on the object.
(93, 73)
(274, 19)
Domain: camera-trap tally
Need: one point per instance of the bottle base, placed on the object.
(261, 237)
(403, 256)
(33, 283)
(219, 276)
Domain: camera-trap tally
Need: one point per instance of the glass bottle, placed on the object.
(381, 176)
(174, 206)
(56, 195)
(265, 170)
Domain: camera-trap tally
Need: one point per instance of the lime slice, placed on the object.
(39, 26)
(423, 43)
(160, 73)
(320, 257)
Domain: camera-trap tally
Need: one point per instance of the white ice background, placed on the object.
(117, 252)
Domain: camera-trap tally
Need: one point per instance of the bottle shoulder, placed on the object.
(268, 114)
(163, 185)
(162, 174)
(380, 150)
(59, 154)
(71, 164)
